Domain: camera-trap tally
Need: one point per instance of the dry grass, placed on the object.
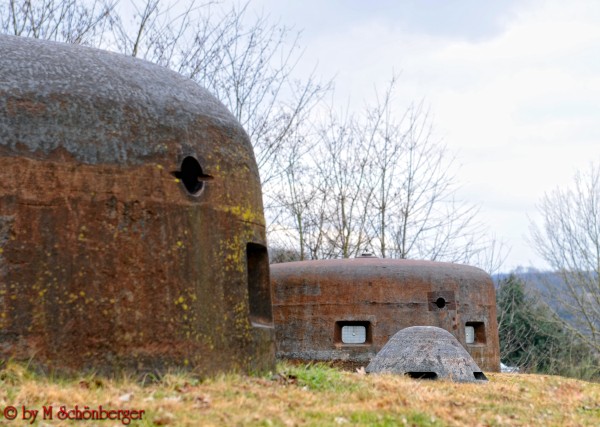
(314, 395)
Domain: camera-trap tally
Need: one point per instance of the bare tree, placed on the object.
(569, 240)
(384, 132)
(343, 160)
(300, 209)
(413, 211)
(490, 254)
(69, 21)
(430, 222)
(379, 183)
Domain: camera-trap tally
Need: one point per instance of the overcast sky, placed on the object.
(513, 87)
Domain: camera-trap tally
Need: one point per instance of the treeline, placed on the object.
(533, 337)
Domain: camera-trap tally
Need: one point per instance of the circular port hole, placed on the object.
(191, 175)
(440, 302)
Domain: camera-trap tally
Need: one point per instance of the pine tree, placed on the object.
(533, 338)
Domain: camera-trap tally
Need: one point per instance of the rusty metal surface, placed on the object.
(107, 262)
(313, 299)
(426, 352)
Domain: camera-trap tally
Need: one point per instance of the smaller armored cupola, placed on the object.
(426, 352)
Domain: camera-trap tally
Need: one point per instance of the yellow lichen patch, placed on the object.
(246, 214)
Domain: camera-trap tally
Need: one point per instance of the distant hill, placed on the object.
(546, 286)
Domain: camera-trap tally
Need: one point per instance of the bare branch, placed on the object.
(569, 240)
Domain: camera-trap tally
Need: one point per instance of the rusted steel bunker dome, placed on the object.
(347, 309)
(131, 226)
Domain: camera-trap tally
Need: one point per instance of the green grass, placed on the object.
(317, 376)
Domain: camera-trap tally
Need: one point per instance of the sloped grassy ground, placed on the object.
(306, 395)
